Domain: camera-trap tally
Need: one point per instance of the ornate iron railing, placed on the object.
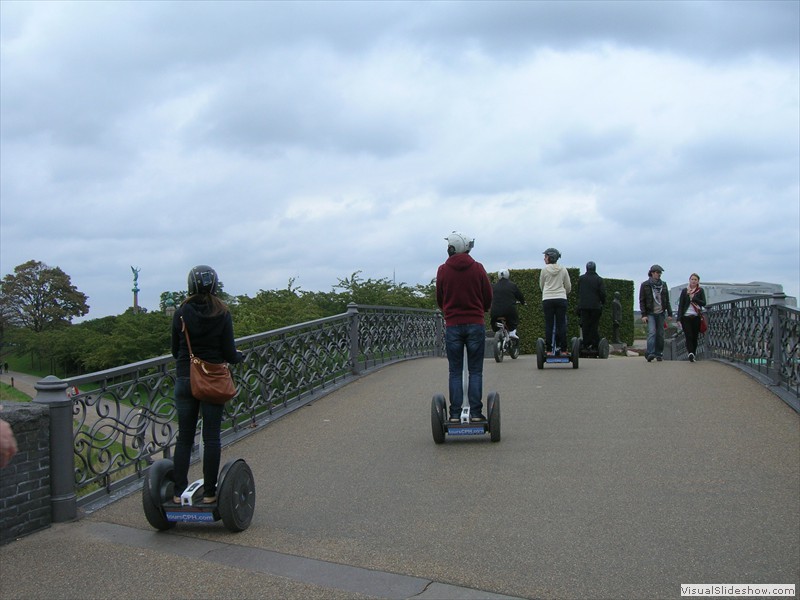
(124, 418)
(759, 333)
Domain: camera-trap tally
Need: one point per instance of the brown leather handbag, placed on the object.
(211, 382)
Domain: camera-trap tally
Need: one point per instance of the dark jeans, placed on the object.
(555, 314)
(188, 411)
(691, 329)
(590, 327)
(473, 337)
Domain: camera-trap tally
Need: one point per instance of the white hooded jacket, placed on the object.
(554, 282)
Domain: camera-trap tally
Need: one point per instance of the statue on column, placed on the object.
(135, 289)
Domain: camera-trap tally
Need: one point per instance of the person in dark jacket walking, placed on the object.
(690, 306)
(464, 293)
(591, 298)
(211, 334)
(505, 296)
(654, 306)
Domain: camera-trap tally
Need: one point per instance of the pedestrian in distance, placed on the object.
(655, 309)
(591, 299)
(464, 293)
(210, 327)
(555, 285)
(690, 306)
(505, 297)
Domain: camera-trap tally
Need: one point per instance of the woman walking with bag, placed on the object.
(210, 328)
(690, 306)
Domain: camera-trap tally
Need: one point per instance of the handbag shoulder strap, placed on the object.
(186, 333)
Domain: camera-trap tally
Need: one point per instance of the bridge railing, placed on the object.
(759, 333)
(124, 418)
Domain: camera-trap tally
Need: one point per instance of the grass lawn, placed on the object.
(10, 394)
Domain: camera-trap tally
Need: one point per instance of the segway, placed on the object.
(236, 497)
(600, 352)
(441, 425)
(543, 357)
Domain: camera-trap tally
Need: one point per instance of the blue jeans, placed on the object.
(655, 334)
(474, 338)
(188, 411)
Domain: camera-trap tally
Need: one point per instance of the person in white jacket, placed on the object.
(555, 285)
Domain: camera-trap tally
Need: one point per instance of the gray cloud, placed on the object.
(311, 140)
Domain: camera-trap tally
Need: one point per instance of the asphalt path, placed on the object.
(621, 479)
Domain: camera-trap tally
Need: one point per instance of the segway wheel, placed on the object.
(493, 408)
(498, 347)
(513, 349)
(540, 353)
(236, 496)
(158, 486)
(438, 408)
(602, 348)
(576, 352)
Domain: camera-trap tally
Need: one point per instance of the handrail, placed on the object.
(124, 418)
(760, 334)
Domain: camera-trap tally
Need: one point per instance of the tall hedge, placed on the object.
(531, 317)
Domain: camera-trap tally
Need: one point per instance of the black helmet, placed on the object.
(552, 255)
(202, 280)
(590, 266)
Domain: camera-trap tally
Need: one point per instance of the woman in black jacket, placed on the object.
(210, 327)
(690, 305)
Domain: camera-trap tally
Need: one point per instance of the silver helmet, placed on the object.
(458, 243)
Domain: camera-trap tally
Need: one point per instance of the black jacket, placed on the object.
(211, 336)
(505, 295)
(646, 301)
(591, 291)
(683, 301)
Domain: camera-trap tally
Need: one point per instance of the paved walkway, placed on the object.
(21, 381)
(621, 479)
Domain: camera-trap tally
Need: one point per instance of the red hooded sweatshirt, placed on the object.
(463, 291)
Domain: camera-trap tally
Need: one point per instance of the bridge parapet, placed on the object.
(124, 418)
(761, 334)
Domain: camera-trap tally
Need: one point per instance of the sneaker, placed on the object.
(659, 358)
(649, 357)
(691, 356)
(477, 418)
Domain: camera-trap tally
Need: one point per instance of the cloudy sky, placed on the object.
(310, 140)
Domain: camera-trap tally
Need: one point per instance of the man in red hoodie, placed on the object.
(464, 293)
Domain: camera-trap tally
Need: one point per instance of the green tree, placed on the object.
(125, 339)
(39, 297)
(383, 292)
(273, 309)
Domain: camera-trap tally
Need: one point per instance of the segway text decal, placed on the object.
(190, 517)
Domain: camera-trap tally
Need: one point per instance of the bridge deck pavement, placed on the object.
(621, 479)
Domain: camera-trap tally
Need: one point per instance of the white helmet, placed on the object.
(458, 243)
(504, 274)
